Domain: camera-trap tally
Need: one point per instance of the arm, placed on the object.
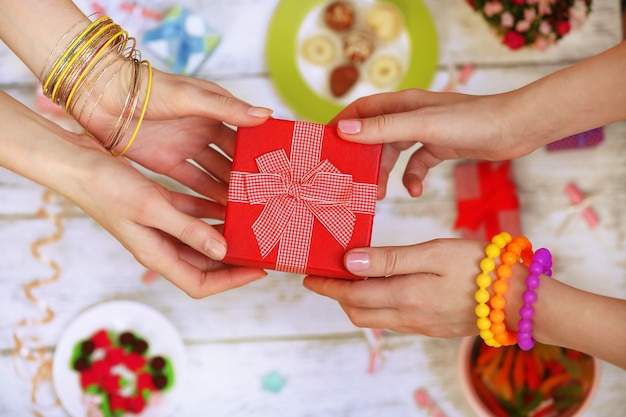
(492, 127)
(145, 217)
(429, 289)
(184, 115)
(185, 120)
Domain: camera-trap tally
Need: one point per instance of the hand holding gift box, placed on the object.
(486, 200)
(299, 197)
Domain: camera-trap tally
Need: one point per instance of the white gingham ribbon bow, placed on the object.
(297, 191)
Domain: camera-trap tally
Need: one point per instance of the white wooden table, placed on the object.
(275, 325)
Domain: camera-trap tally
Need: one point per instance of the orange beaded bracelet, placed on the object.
(483, 280)
(519, 249)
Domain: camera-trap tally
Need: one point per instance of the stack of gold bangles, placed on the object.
(71, 79)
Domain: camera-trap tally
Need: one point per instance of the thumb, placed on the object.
(206, 99)
(383, 128)
(382, 261)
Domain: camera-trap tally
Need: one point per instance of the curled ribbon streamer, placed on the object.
(425, 401)
(30, 348)
(297, 191)
(458, 76)
(497, 193)
(374, 340)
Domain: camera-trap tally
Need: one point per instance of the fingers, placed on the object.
(188, 229)
(416, 170)
(199, 284)
(200, 181)
(383, 128)
(371, 293)
(382, 118)
(213, 161)
(203, 98)
(200, 277)
(386, 261)
(198, 207)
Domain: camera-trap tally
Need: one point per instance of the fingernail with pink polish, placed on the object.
(350, 127)
(358, 261)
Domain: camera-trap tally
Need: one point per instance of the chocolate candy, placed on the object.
(339, 15)
(342, 79)
(157, 363)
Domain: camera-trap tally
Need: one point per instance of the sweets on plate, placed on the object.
(385, 70)
(117, 373)
(385, 20)
(356, 40)
(358, 46)
(343, 78)
(319, 50)
(339, 15)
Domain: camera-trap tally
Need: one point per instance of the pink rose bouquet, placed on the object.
(536, 23)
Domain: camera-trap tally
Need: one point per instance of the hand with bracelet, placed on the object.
(433, 287)
(174, 124)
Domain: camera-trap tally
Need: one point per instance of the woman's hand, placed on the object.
(447, 125)
(426, 288)
(184, 134)
(161, 228)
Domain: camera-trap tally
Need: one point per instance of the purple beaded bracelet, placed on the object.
(540, 264)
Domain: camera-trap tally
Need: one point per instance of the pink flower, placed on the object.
(545, 28)
(507, 20)
(544, 6)
(519, 2)
(514, 40)
(530, 14)
(522, 26)
(492, 8)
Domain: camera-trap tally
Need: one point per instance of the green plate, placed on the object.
(282, 60)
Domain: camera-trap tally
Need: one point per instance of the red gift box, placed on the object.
(299, 197)
(487, 201)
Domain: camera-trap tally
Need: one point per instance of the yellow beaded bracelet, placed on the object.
(518, 249)
(483, 280)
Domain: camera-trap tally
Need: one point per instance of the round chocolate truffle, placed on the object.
(339, 15)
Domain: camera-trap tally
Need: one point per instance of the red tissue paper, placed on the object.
(487, 201)
(299, 197)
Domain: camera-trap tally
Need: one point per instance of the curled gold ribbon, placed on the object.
(29, 348)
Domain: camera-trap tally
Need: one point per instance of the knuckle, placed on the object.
(390, 262)
(383, 122)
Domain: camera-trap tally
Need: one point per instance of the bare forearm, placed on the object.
(39, 149)
(580, 97)
(587, 322)
(569, 317)
(33, 28)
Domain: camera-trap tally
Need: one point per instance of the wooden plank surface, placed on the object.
(234, 339)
